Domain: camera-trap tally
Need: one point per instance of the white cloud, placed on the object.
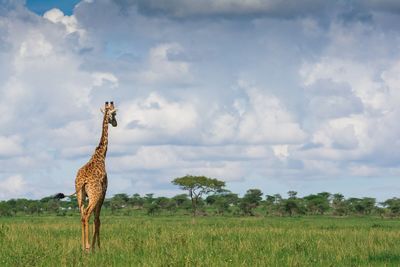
(70, 23)
(35, 46)
(224, 128)
(99, 78)
(41, 71)
(281, 151)
(148, 158)
(268, 121)
(12, 186)
(256, 118)
(353, 100)
(391, 80)
(10, 146)
(339, 139)
(179, 8)
(226, 170)
(155, 119)
(358, 76)
(163, 68)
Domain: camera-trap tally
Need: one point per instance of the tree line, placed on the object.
(207, 196)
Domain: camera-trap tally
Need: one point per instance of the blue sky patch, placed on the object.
(41, 6)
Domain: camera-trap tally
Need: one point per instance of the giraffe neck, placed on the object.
(101, 149)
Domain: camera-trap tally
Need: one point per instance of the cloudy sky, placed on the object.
(272, 94)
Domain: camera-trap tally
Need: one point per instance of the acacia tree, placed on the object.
(222, 200)
(291, 204)
(273, 204)
(250, 201)
(339, 204)
(198, 186)
(118, 201)
(392, 204)
(317, 204)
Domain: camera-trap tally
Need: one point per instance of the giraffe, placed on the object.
(91, 182)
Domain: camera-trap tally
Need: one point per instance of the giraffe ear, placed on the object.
(102, 110)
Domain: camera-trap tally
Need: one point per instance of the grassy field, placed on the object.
(209, 241)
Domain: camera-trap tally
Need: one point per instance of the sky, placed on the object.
(276, 95)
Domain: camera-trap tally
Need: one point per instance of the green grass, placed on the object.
(209, 241)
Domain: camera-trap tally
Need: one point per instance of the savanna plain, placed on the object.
(203, 241)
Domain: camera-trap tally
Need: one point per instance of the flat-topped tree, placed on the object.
(198, 186)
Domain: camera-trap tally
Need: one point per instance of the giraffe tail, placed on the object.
(61, 195)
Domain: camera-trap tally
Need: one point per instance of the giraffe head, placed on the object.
(110, 112)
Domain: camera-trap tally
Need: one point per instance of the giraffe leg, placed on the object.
(96, 223)
(88, 213)
(96, 230)
(94, 233)
(83, 232)
(98, 210)
(80, 197)
(89, 210)
(86, 230)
